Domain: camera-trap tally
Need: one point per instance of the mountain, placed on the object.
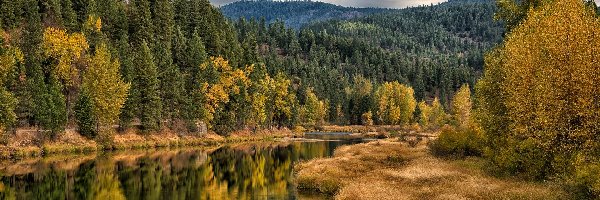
(294, 13)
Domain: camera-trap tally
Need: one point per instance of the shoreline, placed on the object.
(71, 143)
(25, 143)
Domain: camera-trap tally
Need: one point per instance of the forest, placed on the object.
(172, 64)
(513, 82)
(296, 13)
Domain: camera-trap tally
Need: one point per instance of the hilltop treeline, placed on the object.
(294, 14)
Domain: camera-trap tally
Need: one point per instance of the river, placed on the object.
(261, 170)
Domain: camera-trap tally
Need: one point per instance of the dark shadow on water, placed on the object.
(245, 171)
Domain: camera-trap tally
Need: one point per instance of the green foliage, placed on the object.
(140, 26)
(271, 65)
(50, 107)
(69, 17)
(457, 142)
(146, 86)
(9, 13)
(8, 104)
(86, 122)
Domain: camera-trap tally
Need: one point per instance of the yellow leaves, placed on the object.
(540, 89)
(93, 23)
(98, 24)
(105, 86)
(461, 107)
(64, 48)
(552, 73)
(395, 103)
(367, 118)
(220, 82)
(315, 111)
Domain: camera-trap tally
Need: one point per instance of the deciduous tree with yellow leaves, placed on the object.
(395, 103)
(105, 87)
(64, 48)
(218, 80)
(315, 110)
(538, 98)
(432, 116)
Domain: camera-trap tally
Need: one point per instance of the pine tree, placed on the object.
(197, 53)
(83, 9)
(172, 82)
(127, 73)
(180, 50)
(51, 108)
(86, 122)
(147, 85)
(69, 17)
(9, 16)
(140, 26)
(32, 40)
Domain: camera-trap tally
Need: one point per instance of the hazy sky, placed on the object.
(364, 3)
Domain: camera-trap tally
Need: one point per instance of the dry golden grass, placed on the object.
(28, 142)
(394, 170)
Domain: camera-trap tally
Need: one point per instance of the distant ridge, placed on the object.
(294, 13)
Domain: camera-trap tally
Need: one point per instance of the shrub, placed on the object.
(457, 142)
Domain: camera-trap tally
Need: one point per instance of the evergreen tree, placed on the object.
(32, 40)
(9, 13)
(51, 110)
(69, 16)
(146, 85)
(172, 82)
(140, 26)
(86, 122)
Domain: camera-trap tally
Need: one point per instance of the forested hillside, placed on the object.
(293, 13)
(156, 64)
(434, 49)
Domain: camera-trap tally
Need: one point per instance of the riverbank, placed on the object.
(390, 169)
(28, 143)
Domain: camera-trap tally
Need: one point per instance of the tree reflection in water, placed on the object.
(249, 171)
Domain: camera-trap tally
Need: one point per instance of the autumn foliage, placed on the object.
(538, 99)
(395, 104)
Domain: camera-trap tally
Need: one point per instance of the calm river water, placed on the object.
(243, 171)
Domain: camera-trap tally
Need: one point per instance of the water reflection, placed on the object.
(249, 171)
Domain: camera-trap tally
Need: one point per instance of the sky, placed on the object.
(364, 3)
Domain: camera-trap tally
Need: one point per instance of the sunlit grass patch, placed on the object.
(395, 170)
